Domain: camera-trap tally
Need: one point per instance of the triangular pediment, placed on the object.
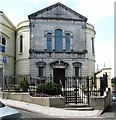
(59, 63)
(5, 21)
(58, 11)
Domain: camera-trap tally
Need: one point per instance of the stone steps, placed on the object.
(79, 106)
(81, 109)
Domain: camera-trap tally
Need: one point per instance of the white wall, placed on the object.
(7, 30)
(90, 33)
(22, 59)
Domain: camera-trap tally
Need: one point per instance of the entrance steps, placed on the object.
(78, 106)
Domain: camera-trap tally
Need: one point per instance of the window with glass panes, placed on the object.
(49, 42)
(58, 40)
(67, 43)
(2, 44)
(40, 71)
(21, 44)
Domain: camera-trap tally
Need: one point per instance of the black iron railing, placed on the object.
(76, 90)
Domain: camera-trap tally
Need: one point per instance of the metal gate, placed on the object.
(76, 90)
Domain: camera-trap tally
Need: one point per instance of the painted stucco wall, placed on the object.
(7, 30)
(22, 59)
(90, 34)
(100, 74)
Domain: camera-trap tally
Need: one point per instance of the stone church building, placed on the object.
(54, 42)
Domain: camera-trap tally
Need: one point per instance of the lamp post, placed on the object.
(3, 80)
(4, 60)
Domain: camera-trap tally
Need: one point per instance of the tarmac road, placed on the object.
(110, 112)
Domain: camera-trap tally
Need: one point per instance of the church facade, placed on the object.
(55, 42)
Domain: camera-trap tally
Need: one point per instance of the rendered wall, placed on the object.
(7, 30)
(22, 59)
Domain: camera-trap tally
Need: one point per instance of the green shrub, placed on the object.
(49, 88)
(17, 88)
(24, 85)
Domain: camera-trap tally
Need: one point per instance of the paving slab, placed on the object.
(55, 112)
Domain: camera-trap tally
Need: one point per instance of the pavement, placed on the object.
(51, 111)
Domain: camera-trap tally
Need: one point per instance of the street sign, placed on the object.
(4, 59)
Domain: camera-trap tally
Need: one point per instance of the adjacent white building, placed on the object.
(100, 73)
(7, 46)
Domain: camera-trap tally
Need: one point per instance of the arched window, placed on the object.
(2, 44)
(49, 42)
(3, 41)
(58, 40)
(67, 43)
(21, 44)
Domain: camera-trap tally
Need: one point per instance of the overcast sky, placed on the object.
(100, 13)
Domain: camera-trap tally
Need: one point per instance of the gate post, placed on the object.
(88, 88)
(101, 86)
(75, 91)
(105, 80)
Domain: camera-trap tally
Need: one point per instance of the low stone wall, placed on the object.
(45, 101)
(98, 103)
(102, 102)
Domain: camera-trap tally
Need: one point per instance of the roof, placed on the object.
(6, 19)
(99, 71)
(1, 12)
